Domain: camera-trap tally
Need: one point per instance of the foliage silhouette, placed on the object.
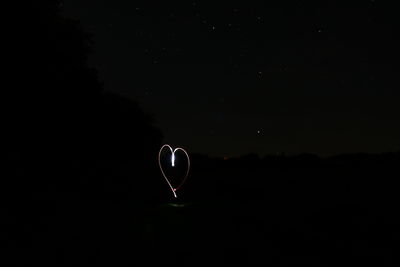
(78, 158)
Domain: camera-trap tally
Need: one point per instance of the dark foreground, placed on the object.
(275, 211)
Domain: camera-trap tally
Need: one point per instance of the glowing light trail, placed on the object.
(173, 164)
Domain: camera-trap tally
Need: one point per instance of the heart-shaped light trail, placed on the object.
(173, 164)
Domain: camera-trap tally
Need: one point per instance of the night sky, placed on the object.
(229, 78)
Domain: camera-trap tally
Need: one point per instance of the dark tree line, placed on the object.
(77, 157)
(56, 110)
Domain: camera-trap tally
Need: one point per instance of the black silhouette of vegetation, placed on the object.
(82, 185)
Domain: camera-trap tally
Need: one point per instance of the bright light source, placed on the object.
(173, 164)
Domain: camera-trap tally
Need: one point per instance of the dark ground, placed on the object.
(277, 211)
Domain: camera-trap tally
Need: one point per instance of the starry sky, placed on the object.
(226, 78)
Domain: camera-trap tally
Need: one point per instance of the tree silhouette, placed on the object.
(56, 103)
(68, 143)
